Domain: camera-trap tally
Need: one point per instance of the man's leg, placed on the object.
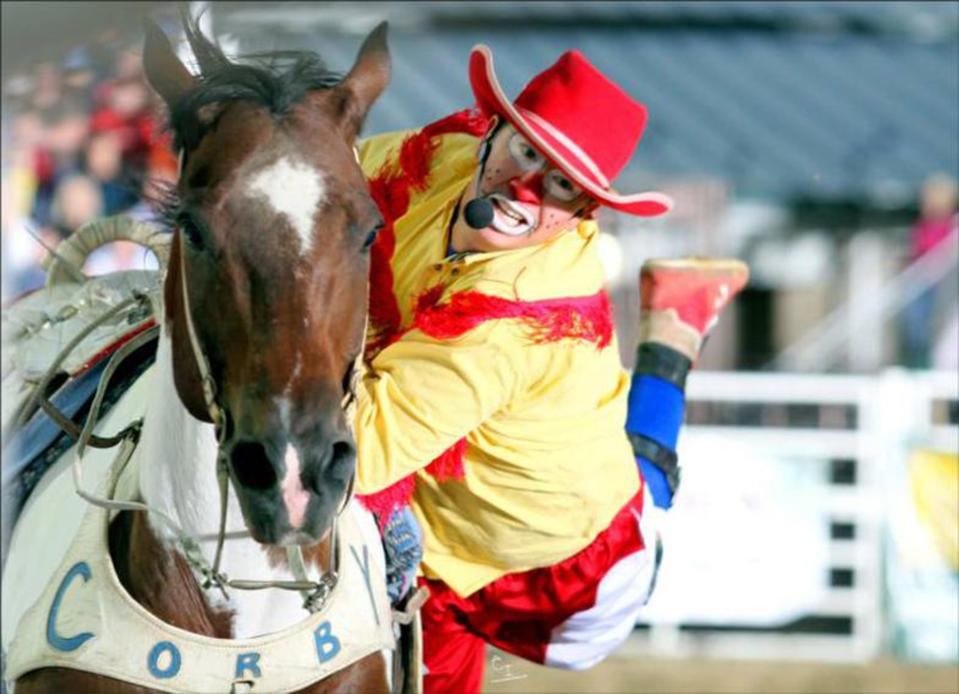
(680, 302)
(573, 614)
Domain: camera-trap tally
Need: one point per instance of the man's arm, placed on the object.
(421, 395)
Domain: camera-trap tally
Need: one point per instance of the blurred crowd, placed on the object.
(83, 138)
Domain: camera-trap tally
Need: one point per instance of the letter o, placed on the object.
(153, 660)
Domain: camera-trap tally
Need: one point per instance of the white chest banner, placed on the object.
(85, 620)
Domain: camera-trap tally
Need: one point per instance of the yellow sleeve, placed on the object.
(421, 395)
(373, 151)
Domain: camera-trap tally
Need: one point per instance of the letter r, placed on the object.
(248, 661)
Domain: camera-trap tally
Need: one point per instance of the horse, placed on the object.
(245, 447)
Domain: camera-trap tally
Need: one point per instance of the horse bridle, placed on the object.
(315, 593)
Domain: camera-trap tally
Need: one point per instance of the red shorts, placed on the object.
(568, 615)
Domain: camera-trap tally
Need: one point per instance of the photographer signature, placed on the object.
(503, 671)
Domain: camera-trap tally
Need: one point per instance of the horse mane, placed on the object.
(276, 80)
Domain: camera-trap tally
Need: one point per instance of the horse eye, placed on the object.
(190, 231)
(371, 237)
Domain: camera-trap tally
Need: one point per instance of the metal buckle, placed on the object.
(316, 600)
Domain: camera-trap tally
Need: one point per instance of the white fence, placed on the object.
(850, 428)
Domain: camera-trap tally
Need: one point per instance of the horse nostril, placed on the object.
(342, 458)
(251, 465)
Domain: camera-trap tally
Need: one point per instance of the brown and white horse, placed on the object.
(268, 270)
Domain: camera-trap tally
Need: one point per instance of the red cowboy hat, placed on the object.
(581, 121)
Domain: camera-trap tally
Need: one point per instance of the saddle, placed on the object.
(56, 344)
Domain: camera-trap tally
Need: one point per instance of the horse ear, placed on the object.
(366, 80)
(166, 74)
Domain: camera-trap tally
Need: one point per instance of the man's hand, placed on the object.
(403, 544)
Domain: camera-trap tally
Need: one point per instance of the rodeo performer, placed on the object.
(493, 401)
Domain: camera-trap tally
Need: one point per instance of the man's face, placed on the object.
(532, 200)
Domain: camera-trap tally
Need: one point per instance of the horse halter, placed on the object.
(315, 593)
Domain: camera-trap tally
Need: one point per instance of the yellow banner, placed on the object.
(934, 478)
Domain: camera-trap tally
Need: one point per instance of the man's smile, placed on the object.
(510, 217)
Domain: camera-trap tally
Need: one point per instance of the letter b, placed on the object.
(327, 645)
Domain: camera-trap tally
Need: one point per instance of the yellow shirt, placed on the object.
(548, 464)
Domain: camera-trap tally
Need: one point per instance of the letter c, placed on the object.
(67, 643)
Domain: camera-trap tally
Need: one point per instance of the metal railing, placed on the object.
(867, 424)
(822, 347)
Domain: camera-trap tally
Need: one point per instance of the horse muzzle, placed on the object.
(290, 492)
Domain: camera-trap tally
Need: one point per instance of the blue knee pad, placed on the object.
(656, 482)
(656, 409)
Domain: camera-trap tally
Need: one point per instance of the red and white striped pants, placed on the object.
(570, 615)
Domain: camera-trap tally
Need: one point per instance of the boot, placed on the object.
(680, 303)
(681, 299)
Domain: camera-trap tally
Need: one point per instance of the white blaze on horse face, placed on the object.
(294, 189)
(295, 496)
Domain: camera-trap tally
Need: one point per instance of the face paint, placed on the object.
(529, 204)
(538, 196)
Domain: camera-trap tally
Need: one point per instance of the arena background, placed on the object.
(814, 546)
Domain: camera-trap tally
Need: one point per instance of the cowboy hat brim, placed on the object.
(561, 151)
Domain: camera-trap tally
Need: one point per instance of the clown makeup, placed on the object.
(555, 182)
(532, 201)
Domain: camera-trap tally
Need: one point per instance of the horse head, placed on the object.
(269, 263)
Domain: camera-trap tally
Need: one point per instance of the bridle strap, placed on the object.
(199, 358)
(316, 593)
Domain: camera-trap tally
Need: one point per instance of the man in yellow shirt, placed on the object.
(493, 401)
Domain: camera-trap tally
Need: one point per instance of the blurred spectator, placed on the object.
(937, 220)
(83, 138)
(19, 165)
(125, 107)
(20, 257)
(79, 76)
(946, 351)
(78, 71)
(104, 162)
(77, 201)
(46, 87)
(65, 129)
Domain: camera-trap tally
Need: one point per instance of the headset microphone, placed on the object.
(478, 213)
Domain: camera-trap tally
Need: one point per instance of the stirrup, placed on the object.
(408, 656)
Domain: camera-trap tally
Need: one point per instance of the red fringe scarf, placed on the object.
(391, 189)
(587, 318)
